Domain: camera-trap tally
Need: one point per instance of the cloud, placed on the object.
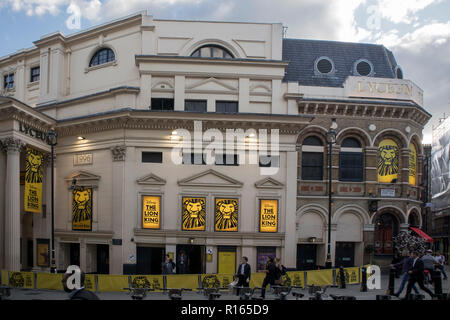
(403, 11)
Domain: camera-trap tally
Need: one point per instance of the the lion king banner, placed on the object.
(388, 160)
(151, 212)
(412, 164)
(82, 209)
(268, 216)
(193, 213)
(33, 181)
(226, 218)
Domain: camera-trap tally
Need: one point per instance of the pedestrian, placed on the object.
(404, 265)
(280, 271)
(440, 259)
(243, 273)
(417, 275)
(429, 263)
(271, 271)
(395, 262)
(78, 293)
(182, 263)
(167, 265)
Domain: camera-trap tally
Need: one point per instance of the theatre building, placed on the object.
(125, 97)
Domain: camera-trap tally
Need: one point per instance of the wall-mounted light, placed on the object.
(191, 240)
(312, 239)
(174, 135)
(81, 138)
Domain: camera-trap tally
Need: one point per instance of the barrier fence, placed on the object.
(117, 283)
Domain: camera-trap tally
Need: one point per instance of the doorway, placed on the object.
(306, 256)
(226, 260)
(149, 260)
(74, 254)
(194, 259)
(102, 259)
(345, 254)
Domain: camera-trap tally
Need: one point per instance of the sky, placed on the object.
(417, 31)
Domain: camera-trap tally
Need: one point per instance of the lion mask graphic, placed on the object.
(194, 214)
(387, 160)
(226, 214)
(33, 167)
(82, 205)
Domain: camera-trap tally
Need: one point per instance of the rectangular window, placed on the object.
(227, 159)
(351, 166)
(227, 106)
(195, 105)
(312, 166)
(263, 254)
(35, 74)
(8, 81)
(152, 157)
(193, 158)
(269, 161)
(162, 104)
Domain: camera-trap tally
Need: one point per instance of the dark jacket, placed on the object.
(247, 271)
(405, 264)
(417, 270)
(83, 294)
(272, 272)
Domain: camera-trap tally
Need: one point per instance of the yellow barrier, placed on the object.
(21, 280)
(351, 275)
(182, 281)
(5, 278)
(297, 278)
(89, 282)
(220, 280)
(49, 281)
(145, 281)
(112, 282)
(319, 277)
(257, 279)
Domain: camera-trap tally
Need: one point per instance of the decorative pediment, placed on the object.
(83, 179)
(210, 178)
(151, 179)
(269, 183)
(211, 84)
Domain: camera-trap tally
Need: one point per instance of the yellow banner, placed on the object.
(351, 275)
(226, 218)
(82, 209)
(49, 281)
(268, 216)
(297, 278)
(43, 253)
(5, 278)
(179, 281)
(257, 279)
(216, 280)
(143, 281)
(33, 181)
(89, 282)
(112, 282)
(412, 164)
(151, 212)
(388, 160)
(21, 280)
(319, 277)
(194, 214)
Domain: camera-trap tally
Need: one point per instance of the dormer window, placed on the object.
(8, 81)
(211, 51)
(398, 72)
(363, 68)
(324, 66)
(102, 56)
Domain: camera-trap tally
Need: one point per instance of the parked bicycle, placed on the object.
(138, 293)
(175, 294)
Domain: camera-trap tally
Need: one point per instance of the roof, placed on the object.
(302, 55)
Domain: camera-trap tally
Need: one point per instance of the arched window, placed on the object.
(388, 161)
(351, 161)
(212, 51)
(412, 164)
(102, 56)
(312, 159)
(386, 227)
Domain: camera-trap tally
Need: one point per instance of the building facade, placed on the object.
(123, 97)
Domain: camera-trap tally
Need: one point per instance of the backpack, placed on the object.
(283, 270)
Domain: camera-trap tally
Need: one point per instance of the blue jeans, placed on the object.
(405, 279)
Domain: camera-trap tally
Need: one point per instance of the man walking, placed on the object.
(271, 271)
(404, 265)
(440, 259)
(417, 275)
(243, 274)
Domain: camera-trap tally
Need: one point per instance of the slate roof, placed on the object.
(302, 55)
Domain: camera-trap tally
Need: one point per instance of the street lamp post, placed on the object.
(52, 140)
(331, 139)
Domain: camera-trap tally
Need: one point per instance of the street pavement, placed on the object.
(350, 290)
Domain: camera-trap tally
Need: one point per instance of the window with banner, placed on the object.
(226, 215)
(388, 161)
(43, 252)
(412, 164)
(82, 208)
(151, 212)
(263, 255)
(193, 213)
(268, 215)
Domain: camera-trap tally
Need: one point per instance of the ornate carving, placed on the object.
(119, 153)
(12, 145)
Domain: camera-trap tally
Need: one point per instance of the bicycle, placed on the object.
(138, 293)
(175, 294)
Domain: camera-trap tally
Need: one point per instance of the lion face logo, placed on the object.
(140, 282)
(210, 281)
(33, 164)
(387, 160)
(16, 280)
(82, 208)
(226, 214)
(286, 281)
(194, 213)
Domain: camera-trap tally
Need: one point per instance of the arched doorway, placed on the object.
(386, 227)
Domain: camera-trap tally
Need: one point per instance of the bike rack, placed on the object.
(138, 293)
(5, 292)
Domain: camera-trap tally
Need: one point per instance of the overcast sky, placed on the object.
(417, 31)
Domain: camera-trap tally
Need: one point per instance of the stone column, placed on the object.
(12, 203)
(118, 190)
(290, 248)
(2, 206)
(179, 93)
(403, 175)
